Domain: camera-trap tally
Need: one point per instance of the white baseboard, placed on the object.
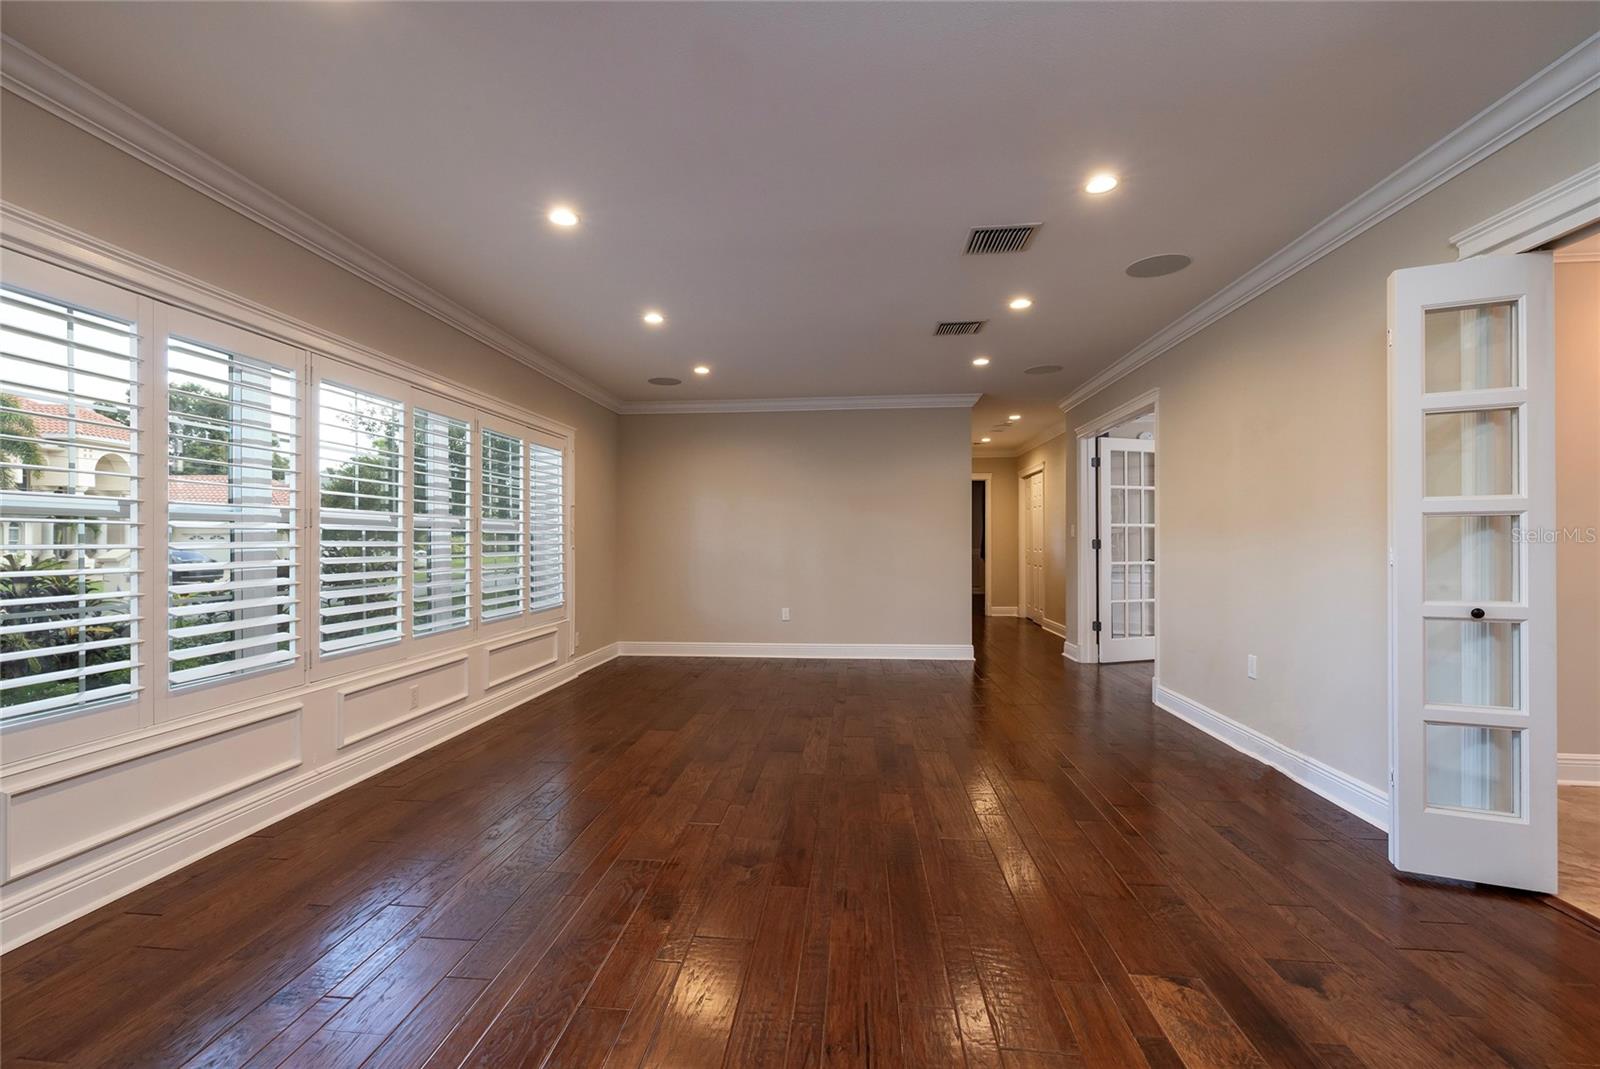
(1578, 769)
(1069, 650)
(36, 910)
(1344, 790)
(1059, 630)
(820, 650)
(1002, 610)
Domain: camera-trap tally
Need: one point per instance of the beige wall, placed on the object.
(51, 167)
(1273, 466)
(1002, 472)
(1058, 547)
(859, 522)
(1578, 506)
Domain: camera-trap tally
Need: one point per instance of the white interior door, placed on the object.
(1127, 549)
(1033, 548)
(1472, 482)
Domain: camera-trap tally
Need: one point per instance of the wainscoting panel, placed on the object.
(518, 658)
(369, 708)
(59, 813)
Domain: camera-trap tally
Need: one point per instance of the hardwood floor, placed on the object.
(1580, 847)
(779, 863)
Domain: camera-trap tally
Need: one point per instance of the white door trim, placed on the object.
(1023, 475)
(1087, 650)
(988, 540)
(1570, 204)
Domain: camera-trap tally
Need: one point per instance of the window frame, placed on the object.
(560, 612)
(342, 373)
(195, 698)
(58, 263)
(439, 405)
(51, 282)
(505, 625)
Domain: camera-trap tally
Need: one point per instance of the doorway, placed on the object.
(982, 585)
(1495, 582)
(1118, 569)
(1031, 504)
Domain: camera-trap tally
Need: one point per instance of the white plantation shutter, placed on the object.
(546, 527)
(501, 528)
(70, 507)
(232, 520)
(360, 551)
(441, 507)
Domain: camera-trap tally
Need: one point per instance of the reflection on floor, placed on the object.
(1580, 847)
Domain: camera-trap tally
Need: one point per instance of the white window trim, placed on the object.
(80, 256)
(174, 704)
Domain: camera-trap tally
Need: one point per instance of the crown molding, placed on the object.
(37, 80)
(1549, 92)
(1548, 214)
(1562, 257)
(802, 404)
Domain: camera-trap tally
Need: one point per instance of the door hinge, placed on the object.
(1094, 544)
(1094, 462)
(1095, 626)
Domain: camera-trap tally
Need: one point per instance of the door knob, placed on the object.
(1477, 614)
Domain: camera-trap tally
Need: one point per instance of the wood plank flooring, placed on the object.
(1021, 865)
(1580, 847)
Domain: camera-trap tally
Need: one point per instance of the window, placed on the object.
(232, 528)
(502, 532)
(546, 527)
(69, 488)
(360, 555)
(441, 549)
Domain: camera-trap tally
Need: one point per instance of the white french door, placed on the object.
(1127, 549)
(1033, 548)
(1472, 590)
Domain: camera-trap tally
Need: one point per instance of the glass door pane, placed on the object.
(1471, 348)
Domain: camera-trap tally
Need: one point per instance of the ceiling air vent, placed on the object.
(987, 239)
(963, 326)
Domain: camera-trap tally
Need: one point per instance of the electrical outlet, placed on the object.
(416, 697)
(783, 614)
(1250, 666)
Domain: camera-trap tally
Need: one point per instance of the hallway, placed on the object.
(796, 863)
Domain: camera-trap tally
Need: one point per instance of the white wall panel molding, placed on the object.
(1355, 796)
(512, 659)
(60, 811)
(798, 650)
(374, 706)
(68, 97)
(46, 898)
(1546, 94)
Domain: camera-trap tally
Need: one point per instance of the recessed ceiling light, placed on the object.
(985, 438)
(1019, 303)
(980, 361)
(563, 216)
(701, 369)
(1104, 182)
(654, 318)
(662, 380)
(1013, 419)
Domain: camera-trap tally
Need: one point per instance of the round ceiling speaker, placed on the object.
(662, 380)
(1156, 266)
(1042, 369)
